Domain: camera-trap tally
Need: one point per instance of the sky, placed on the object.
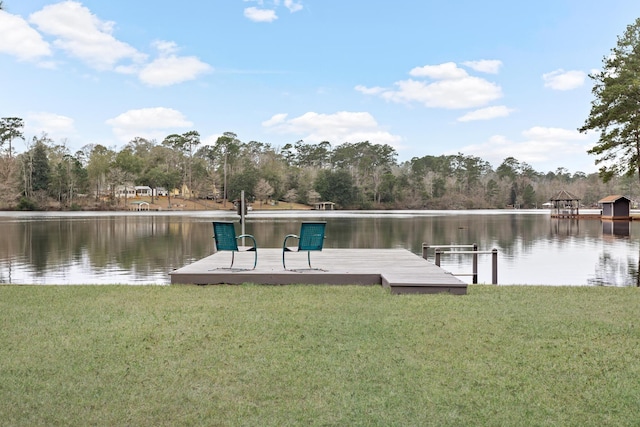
(492, 79)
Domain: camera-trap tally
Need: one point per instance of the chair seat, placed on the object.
(311, 238)
(224, 234)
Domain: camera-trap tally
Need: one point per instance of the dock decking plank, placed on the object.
(399, 269)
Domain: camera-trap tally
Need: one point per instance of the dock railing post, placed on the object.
(475, 264)
(494, 266)
(242, 205)
(425, 251)
(438, 251)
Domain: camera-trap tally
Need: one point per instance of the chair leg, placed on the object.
(309, 258)
(232, 258)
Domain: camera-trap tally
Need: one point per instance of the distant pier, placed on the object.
(594, 214)
(574, 215)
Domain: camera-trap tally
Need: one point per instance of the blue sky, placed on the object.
(491, 79)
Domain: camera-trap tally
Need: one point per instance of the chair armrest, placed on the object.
(288, 236)
(255, 245)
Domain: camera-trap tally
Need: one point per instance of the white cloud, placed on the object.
(564, 80)
(81, 34)
(337, 128)
(369, 90)
(292, 6)
(539, 133)
(170, 69)
(260, 15)
(275, 120)
(453, 88)
(165, 47)
(446, 71)
(545, 149)
(268, 13)
(56, 126)
(467, 92)
(486, 113)
(490, 66)
(18, 39)
(153, 123)
(210, 139)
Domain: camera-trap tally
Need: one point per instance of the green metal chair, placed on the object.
(311, 238)
(224, 234)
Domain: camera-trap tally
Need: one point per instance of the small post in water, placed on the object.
(494, 266)
(475, 264)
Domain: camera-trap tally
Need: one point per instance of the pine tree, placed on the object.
(615, 111)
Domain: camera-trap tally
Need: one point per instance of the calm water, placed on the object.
(143, 247)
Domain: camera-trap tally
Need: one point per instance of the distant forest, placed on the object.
(358, 175)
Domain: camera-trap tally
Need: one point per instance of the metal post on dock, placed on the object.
(475, 264)
(494, 266)
(438, 252)
(242, 205)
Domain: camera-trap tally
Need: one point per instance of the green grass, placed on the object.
(318, 355)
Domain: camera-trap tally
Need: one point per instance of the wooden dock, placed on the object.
(398, 269)
(576, 216)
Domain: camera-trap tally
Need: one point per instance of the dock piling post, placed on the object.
(475, 264)
(425, 251)
(438, 252)
(494, 266)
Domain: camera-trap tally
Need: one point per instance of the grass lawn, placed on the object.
(318, 355)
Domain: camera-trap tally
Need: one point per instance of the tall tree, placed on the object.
(615, 111)
(100, 159)
(41, 172)
(245, 180)
(191, 141)
(227, 148)
(10, 128)
(508, 168)
(263, 190)
(127, 160)
(336, 187)
(291, 196)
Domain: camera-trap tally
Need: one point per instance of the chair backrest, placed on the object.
(224, 234)
(311, 236)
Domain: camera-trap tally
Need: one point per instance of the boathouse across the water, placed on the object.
(616, 207)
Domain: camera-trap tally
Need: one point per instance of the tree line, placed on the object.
(358, 175)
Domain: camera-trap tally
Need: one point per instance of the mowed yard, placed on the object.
(318, 355)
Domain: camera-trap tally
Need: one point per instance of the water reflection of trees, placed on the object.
(612, 271)
(138, 244)
(410, 232)
(616, 271)
(634, 271)
(146, 244)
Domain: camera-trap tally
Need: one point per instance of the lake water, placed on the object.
(143, 247)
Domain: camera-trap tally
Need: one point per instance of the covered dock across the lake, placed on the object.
(400, 270)
(565, 205)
